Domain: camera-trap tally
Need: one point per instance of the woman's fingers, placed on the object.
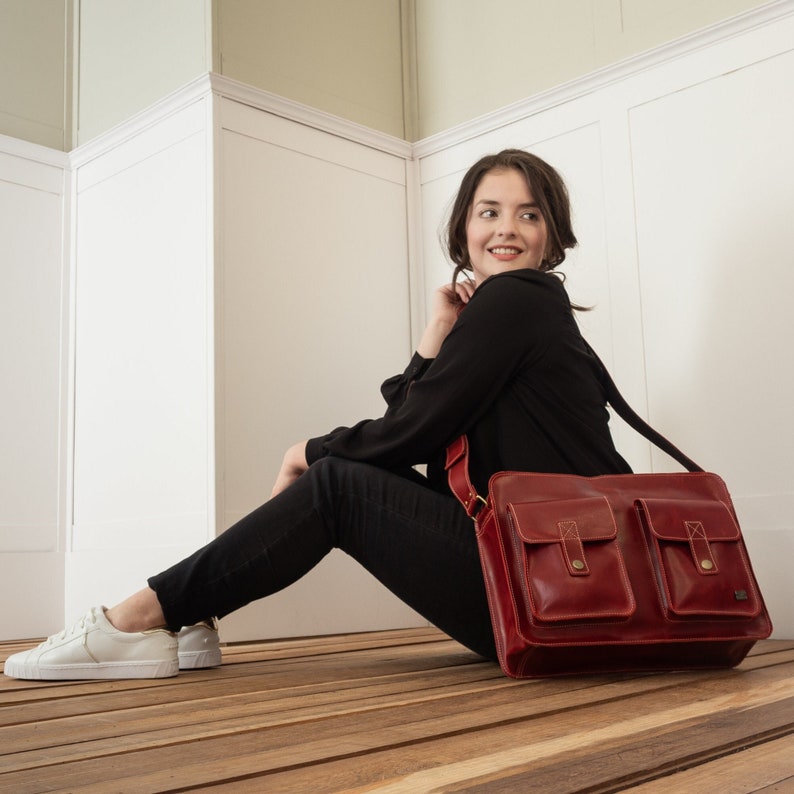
(465, 289)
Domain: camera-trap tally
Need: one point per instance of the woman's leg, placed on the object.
(418, 543)
(139, 612)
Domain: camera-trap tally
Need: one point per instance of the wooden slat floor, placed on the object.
(401, 711)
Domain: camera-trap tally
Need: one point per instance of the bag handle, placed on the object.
(457, 460)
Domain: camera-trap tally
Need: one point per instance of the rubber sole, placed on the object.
(93, 671)
(197, 660)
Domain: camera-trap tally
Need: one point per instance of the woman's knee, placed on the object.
(334, 475)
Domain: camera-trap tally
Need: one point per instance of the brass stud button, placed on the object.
(706, 565)
(578, 565)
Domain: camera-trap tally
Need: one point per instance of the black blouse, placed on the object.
(514, 374)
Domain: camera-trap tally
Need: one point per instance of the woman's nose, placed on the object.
(506, 227)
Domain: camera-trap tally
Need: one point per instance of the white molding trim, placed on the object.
(33, 151)
(220, 86)
(608, 75)
(191, 92)
(416, 271)
(311, 117)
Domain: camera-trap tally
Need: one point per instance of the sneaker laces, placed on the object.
(76, 628)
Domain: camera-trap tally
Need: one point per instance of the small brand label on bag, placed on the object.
(740, 595)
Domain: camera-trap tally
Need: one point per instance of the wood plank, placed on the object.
(455, 764)
(783, 787)
(401, 658)
(253, 708)
(306, 646)
(754, 769)
(295, 647)
(652, 754)
(403, 711)
(267, 747)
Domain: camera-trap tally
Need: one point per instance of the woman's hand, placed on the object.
(447, 304)
(292, 466)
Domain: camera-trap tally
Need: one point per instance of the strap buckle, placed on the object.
(473, 499)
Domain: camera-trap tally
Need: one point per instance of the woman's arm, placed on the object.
(447, 304)
(507, 325)
(292, 466)
(443, 316)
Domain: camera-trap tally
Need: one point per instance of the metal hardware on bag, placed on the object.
(706, 565)
(740, 595)
(477, 498)
(578, 564)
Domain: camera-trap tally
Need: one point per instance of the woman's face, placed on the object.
(504, 230)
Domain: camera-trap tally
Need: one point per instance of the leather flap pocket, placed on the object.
(539, 522)
(670, 519)
(573, 567)
(700, 563)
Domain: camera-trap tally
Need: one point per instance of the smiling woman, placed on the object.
(528, 188)
(501, 360)
(505, 230)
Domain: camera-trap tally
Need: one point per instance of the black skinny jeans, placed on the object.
(418, 543)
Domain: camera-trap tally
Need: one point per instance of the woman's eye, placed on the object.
(488, 214)
(530, 216)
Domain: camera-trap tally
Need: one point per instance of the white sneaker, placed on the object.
(199, 646)
(93, 648)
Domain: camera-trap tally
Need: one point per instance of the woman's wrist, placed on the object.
(293, 464)
(295, 457)
(435, 333)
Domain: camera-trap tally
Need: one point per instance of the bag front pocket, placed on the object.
(700, 564)
(573, 567)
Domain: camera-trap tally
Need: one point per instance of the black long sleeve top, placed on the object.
(514, 374)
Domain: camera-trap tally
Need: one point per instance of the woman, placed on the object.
(501, 359)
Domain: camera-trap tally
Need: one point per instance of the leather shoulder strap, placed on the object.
(457, 460)
(636, 422)
(457, 466)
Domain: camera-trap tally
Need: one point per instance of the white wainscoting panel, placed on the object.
(144, 446)
(570, 137)
(33, 325)
(713, 190)
(313, 298)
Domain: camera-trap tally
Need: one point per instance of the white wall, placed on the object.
(313, 316)
(34, 326)
(144, 380)
(473, 58)
(150, 327)
(713, 189)
(679, 167)
(118, 453)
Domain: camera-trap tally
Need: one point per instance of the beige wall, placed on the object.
(134, 52)
(33, 69)
(341, 56)
(473, 58)
(410, 68)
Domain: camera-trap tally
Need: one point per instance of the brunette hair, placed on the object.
(548, 189)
